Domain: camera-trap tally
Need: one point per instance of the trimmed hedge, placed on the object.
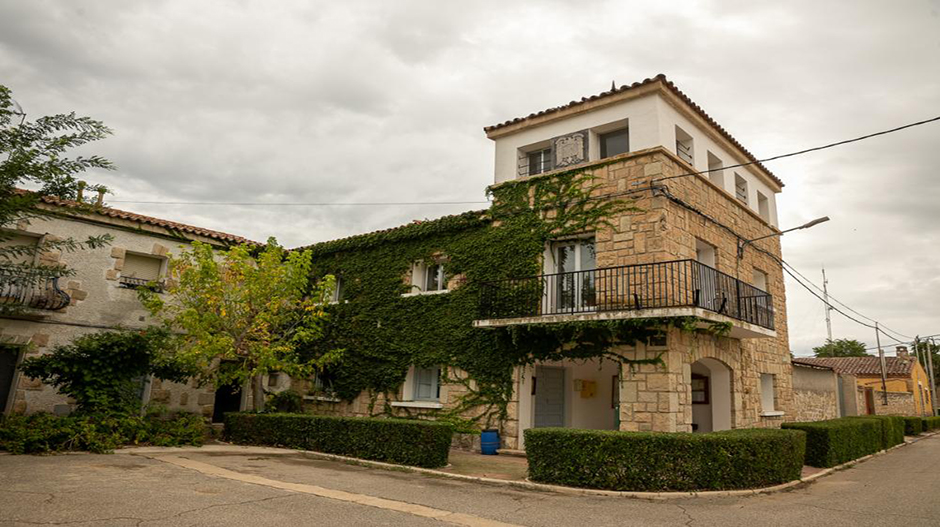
(892, 431)
(836, 441)
(913, 426)
(660, 461)
(402, 441)
(930, 423)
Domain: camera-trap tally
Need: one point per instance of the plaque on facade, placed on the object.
(570, 149)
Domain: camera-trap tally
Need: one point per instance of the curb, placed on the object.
(529, 485)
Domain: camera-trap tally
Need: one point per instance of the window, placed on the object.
(426, 385)
(759, 280)
(684, 146)
(614, 143)
(715, 173)
(337, 291)
(273, 379)
(140, 270)
(740, 188)
(705, 253)
(9, 240)
(699, 389)
(763, 206)
(574, 289)
(767, 393)
(539, 161)
(428, 278)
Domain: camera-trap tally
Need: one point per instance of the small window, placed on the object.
(273, 379)
(699, 389)
(684, 146)
(428, 278)
(614, 143)
(539, 161)
(659, 340)
(763, 206)
(426, 384)
(337, 291)
(767, 392)
(759, 280)
(140, 270)
(705, 253)
(25, 244)
(740, 188)
(716, 174)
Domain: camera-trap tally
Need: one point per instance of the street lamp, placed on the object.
(744, 243)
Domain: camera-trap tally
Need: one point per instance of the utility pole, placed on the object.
(828, 307)
(884, 376)
(933, 385)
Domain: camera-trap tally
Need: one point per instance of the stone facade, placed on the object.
(898, 403)
(815, 393)
(98, 303)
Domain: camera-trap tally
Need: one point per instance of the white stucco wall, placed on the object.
(652, 122)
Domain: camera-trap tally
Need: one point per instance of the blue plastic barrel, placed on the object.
(489, 442)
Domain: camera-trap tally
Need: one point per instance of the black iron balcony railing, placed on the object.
(25, 289)
(157, 286)
(679, 283)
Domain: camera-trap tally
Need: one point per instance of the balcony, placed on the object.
(663, 289)
(25, 289)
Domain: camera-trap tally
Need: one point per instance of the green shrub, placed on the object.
(913, 426)
(103, 371)
(836, 441)
(407, 442)
(287, 402)
(930, 423)
(99, 433)
(659, 461)
(892, 431)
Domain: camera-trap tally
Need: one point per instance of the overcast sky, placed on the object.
(302, 101)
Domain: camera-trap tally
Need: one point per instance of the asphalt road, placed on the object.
(285, 489)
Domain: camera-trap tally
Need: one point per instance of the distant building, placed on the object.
(907, 383)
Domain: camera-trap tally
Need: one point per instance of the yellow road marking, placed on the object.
(455, 518)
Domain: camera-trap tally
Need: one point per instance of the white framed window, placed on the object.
(740, 188)
(767, 400)
(573, 283)
(428, 278)
(337, 291)
(684, 146)
(539, 161)
(422, 388)
(716, 173)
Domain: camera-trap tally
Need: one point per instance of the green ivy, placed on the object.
(384, 333)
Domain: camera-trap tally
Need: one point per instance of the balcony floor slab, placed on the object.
(739, 329)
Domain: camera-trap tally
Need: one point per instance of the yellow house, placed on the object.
(906, 388)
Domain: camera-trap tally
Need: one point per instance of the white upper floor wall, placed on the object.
(653, 117)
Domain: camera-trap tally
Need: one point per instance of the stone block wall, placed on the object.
(809, 405)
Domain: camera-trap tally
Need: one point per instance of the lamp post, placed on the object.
(744, 243)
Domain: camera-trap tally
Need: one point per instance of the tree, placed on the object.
(841, 348)
(33, 155)
(239, 317)
(921, 349)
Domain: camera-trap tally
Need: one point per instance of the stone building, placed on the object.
(905, 390)
(100, 296)
(819, 393)
(689, 252)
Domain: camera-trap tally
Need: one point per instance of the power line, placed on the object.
(804, 151)
(882, 326)
(303, 204)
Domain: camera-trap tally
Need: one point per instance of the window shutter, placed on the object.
(143, 267)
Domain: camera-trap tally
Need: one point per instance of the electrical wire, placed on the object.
(302, 204)
(804, 151)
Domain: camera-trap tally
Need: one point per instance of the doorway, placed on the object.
(575, 261)
(549, 397)
(869, 401)
(8, 359)
(711, 396)
(228, 398)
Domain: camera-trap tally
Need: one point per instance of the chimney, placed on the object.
(101, 193)
(902, 352)
(81, 191)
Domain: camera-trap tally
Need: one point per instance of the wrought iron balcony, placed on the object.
(674, 284)
(26, 289)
